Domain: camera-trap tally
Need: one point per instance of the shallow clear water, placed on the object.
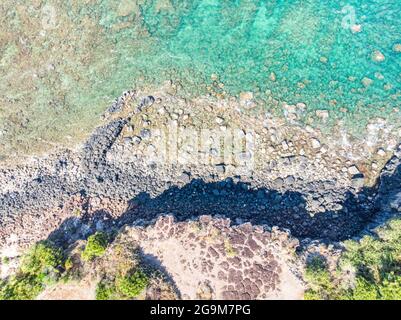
(62, 64)
(245, 41)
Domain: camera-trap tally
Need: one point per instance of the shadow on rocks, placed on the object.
(241, 203)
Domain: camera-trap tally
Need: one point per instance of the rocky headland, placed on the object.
(257, 190)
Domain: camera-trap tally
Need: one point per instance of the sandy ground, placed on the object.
(83, 290)
(215, 261)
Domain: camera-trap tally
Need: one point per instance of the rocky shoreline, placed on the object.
(243, 212)
(300, 183)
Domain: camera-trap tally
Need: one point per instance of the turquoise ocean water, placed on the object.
(332, 55)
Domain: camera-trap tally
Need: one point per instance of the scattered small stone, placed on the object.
(185, 177)
(213, 152)
(397, 47)
(243, 156)
(246, 96)
(261, 194)
(214, 77)
(148, 101)
(377, 56)
(219, 120)
(353, 170)
(323, 115)
(290, 180)
(358, 181)
(396, 204)
(381, 152)
(388, 86)
(145, 134)
(136, 140)
(315, 143)
(221, 169)
(162, 111)
(278, 183)
(367, 82)
(356, 28)
(273, 77)
(127, 140)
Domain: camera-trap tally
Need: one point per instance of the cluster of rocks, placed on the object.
(388, 197)
(299, 181)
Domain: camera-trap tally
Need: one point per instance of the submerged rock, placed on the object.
(377, 56)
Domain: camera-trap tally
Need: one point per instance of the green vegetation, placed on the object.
(132, 285)
(320, 280)
(229, 249)
(45, 264)
(105, 291)
(68, 264)
(21, 287)
(41, 259)
(127, 286)
(375, 263)
(40, 266)
(95, 247)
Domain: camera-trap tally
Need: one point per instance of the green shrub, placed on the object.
(319, 279)
(390, 289)
(373, 256)
(39, 266)
(21, 287)
(41, 259)
(105, 291)
(311, 294)
(68, 264)
(363, 290)
(376, 261)
(95, 247)
(132, 285)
